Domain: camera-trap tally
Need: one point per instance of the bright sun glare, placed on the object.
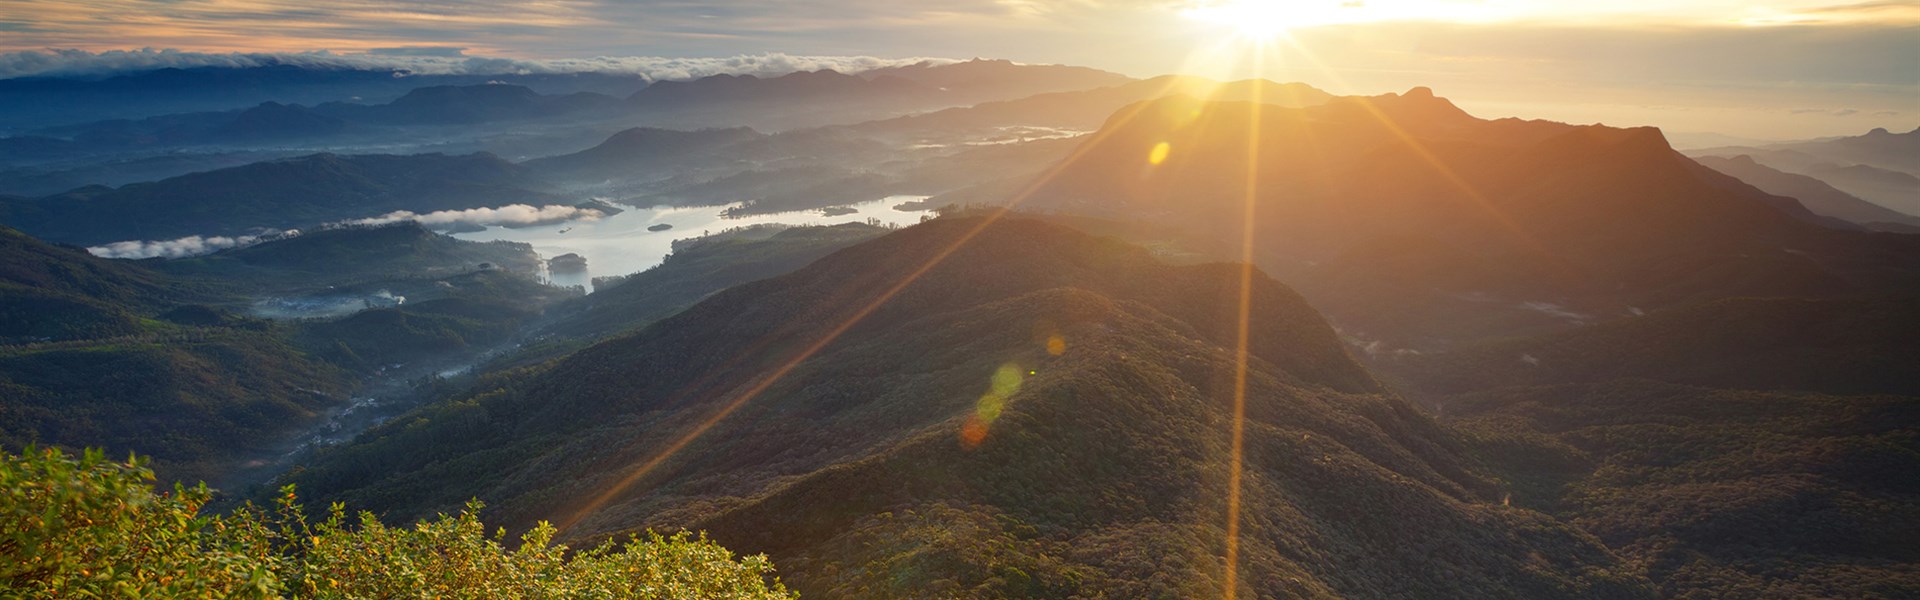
(1262, 20)
(1254, 19)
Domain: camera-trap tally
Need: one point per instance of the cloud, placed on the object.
(1884, 11)
(510, 215)
(447, 51)
(192, 245)
(431, 61)
(1838, 112)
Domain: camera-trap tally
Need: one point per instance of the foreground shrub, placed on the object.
(79, 527)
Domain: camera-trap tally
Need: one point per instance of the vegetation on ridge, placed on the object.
(88, 527)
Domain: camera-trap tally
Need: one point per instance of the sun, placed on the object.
(1262, 20)
(1258, 20)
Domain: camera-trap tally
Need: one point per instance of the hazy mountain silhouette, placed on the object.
(1881, 167)
(1898, 190)
(1814, 194)
(473, 104)
(644, 151)
(1096, 471)
(980, 79)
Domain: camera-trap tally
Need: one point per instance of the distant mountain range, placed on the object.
(1813, 193)
(826, 97)
(334, 122)
(807, 98)
(42, 101)
(283, 194)
(1881, 167)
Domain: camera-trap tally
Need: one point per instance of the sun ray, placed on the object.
(1237, 447)
(634, 475)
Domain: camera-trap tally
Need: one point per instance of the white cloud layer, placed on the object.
(509, 215)
(447, 61)
(192, 245)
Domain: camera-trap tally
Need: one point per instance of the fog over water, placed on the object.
(621, 244)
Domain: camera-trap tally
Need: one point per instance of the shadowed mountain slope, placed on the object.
(1412, 222)
(100, 353)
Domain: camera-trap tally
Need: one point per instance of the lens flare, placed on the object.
(1004, 383)
(1159, 153)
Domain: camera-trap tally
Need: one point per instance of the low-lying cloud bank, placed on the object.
(192, 245)
(448, 61)
(512, 215)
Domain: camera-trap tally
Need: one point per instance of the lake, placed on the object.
(621, 244)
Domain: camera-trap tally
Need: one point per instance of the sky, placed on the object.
(1770, 69)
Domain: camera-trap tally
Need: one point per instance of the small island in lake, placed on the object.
(567, 263)
(835, 211)
(660, 227)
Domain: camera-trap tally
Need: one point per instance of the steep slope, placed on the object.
(1042, 414)
(1813, 193)
(1416, 224)
(281, 194)
(94, 353)
(50, 292)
